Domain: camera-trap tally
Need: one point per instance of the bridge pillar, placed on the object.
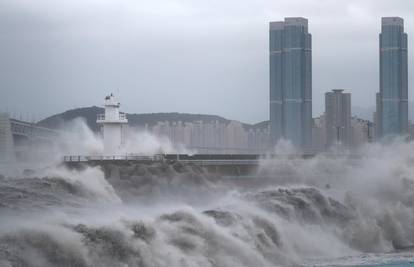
(7, 152)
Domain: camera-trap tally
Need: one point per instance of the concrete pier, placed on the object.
(223, 164)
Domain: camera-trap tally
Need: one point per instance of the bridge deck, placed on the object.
(31, 130)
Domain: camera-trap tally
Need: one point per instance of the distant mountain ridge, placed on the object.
(89, 114)
(135, 120)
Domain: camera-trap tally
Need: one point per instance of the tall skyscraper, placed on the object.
(392, 102)
(338, 117)
(290, 47)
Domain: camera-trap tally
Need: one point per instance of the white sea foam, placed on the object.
(323, 211)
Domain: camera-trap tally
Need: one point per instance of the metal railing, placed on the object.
(221, 162)
(122, 117)
(157, 158)
(80, 158)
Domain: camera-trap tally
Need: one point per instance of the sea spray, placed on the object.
(293, 212)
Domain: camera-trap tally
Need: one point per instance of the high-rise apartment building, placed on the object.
(290, 46)
(338, 117)
(392, 101)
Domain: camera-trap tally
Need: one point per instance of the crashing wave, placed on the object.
(181, 215)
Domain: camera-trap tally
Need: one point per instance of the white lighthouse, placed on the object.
(114, 124)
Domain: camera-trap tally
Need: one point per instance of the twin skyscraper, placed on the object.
(392, 99)
(290, 47)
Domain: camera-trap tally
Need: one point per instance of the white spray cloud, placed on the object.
(332, 205)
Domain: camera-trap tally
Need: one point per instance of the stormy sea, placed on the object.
(330, 210)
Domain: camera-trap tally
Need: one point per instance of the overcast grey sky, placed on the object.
(193, 56)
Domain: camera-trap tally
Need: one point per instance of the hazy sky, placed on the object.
(196, 56)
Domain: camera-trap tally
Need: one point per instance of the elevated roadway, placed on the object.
(16, 136)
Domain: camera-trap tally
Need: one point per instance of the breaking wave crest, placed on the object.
(290, 213)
